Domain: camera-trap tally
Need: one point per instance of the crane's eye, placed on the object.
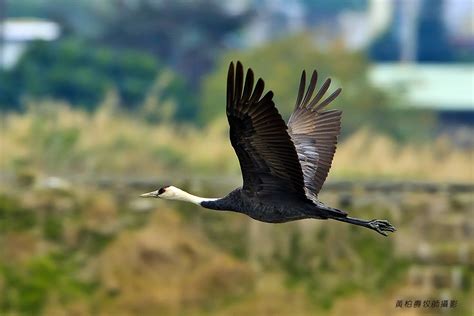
(161, 191)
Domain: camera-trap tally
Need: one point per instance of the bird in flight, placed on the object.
(283, 167)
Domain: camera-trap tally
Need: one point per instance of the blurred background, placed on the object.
(103, 100)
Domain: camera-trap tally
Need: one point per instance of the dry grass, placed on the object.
(55, 139)
(367, 155)
(117, 261)
(167, 268)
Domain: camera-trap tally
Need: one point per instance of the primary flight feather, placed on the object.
(283, 167)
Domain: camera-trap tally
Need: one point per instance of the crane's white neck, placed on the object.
(173, 193)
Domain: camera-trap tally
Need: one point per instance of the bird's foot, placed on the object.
(381, 226)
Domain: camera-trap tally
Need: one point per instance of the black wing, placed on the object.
(267, 156)
(314, 133)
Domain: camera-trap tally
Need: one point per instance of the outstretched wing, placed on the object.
(267, 156)
(314, 132)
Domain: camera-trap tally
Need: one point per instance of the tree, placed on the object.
(187, 35)
(80, 73)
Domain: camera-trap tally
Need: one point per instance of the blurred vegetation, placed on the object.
(54, 138)
(86, 250)
(301, 267)
(77, 249)
(136, 89)
(76, 269)
(73, 71)
(144, 69)
(185, 35)
(280, 63)
(71, 248)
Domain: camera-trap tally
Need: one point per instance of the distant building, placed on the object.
(358, 26)
(15, 34)
(446, 89)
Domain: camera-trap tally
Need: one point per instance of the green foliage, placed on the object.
(280, 63)
(381, 266)
(14, 217)
(294, 263)
(187, 35)
(62, 142)
(93, 242)
(75, 71)
(81, 73)
(168, 155)
(50, 143)
(53, 228)
(330, 266)
(27, 288)
(93, 256)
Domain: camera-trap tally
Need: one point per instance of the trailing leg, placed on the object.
(380, 226)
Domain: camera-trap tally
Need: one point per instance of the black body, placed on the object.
(283, 167)
(271, 209)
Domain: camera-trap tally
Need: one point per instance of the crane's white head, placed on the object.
(167, 192)
(173, 193)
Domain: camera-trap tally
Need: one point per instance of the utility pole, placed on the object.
(3, 16)
(408, 45)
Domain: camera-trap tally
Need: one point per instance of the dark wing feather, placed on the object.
(267, 156)
(314, 133)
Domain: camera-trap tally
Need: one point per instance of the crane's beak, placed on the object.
(150, 194)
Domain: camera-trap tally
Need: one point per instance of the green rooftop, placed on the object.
(430, 86)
